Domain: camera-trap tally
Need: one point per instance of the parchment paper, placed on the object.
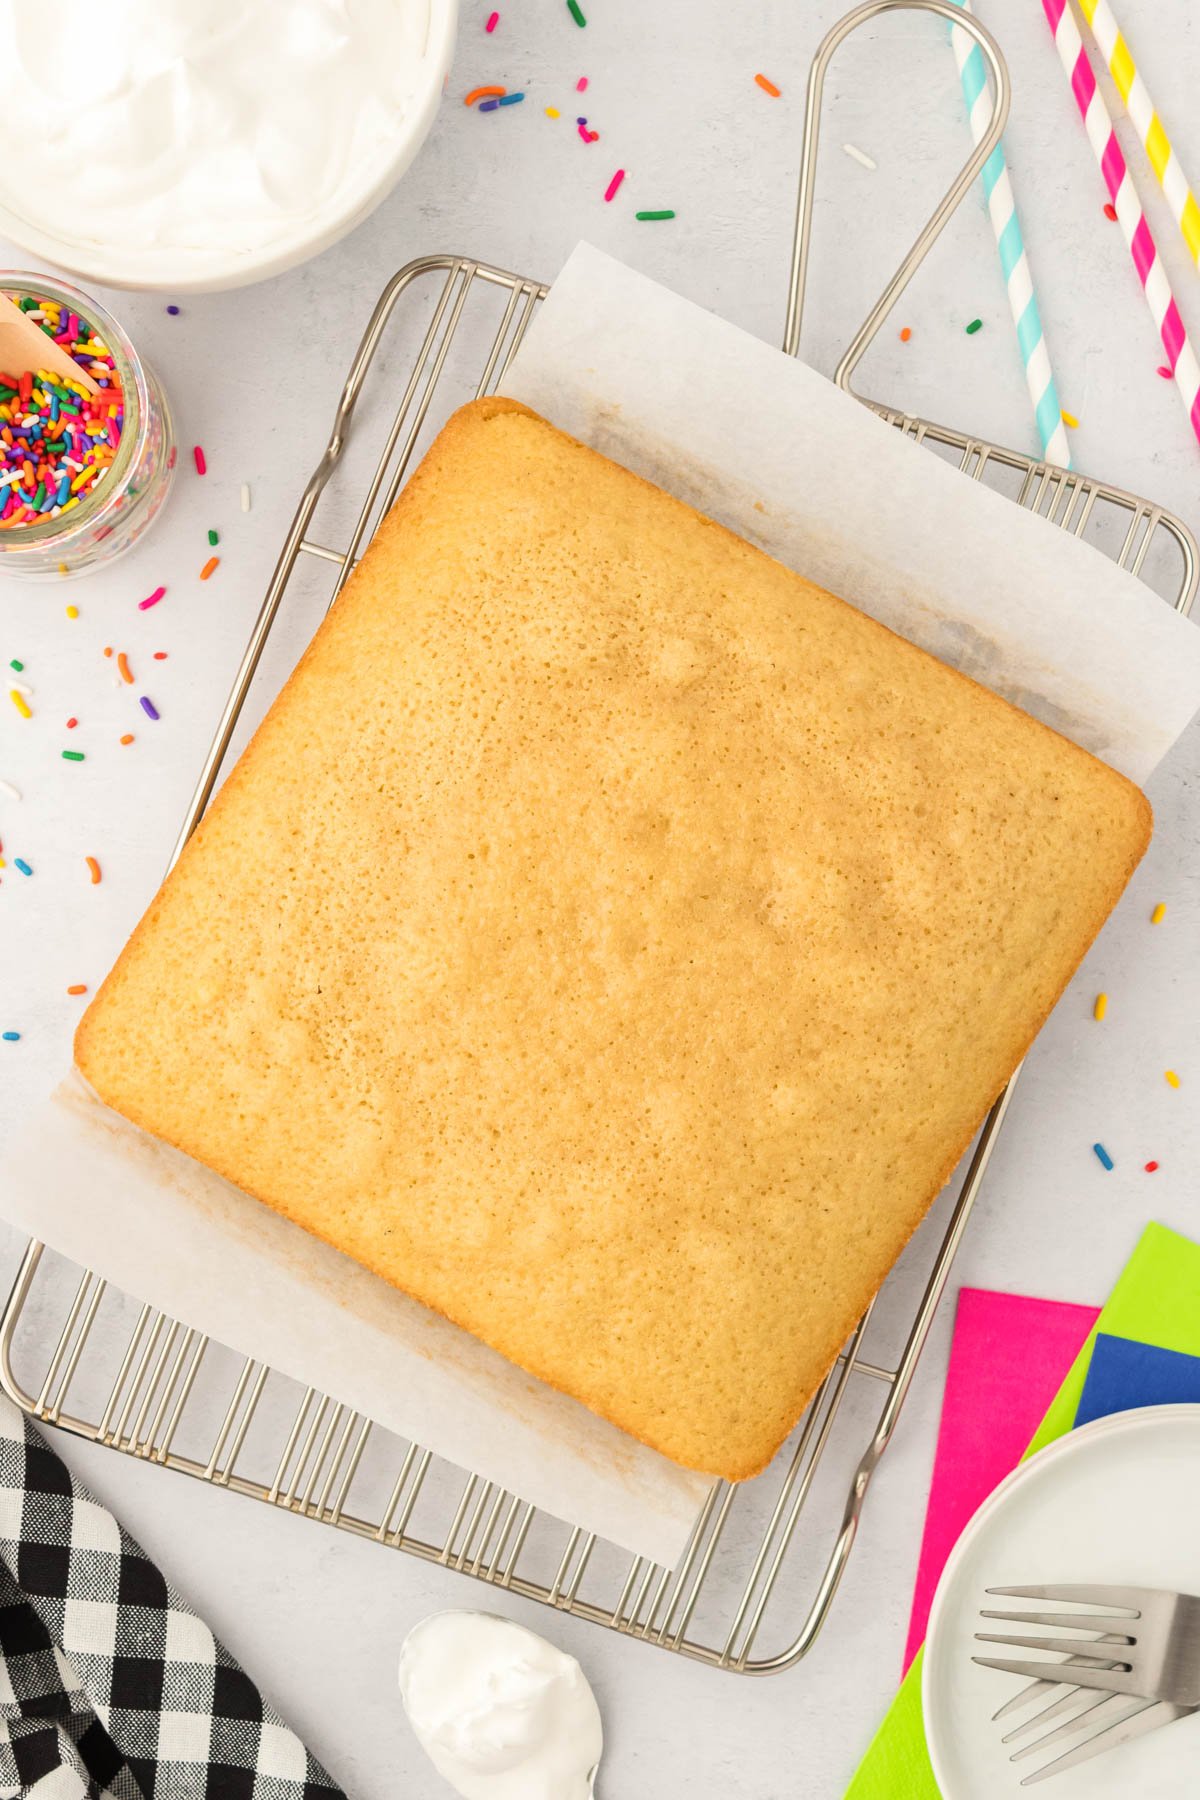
(772, 449)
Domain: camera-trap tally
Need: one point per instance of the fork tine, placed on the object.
(1114, 1681)
(1035, 1691)
(1104, 1710)
(1135, 1725)
(1026, 1697)
(1071, 1698)
(1130, 1598)
(1066, 1621)
(1061, 1646)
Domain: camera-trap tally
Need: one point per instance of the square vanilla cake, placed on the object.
(611, 939)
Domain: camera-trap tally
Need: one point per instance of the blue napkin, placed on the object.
(1123, 1375)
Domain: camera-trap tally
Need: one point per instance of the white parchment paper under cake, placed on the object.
(769, 447)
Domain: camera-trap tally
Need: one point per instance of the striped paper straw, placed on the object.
(1002, 210)
(1181, 358)
(1145, 120)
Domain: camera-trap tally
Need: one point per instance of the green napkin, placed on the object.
(1156, 1301)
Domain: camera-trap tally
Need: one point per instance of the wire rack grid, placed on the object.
(150, 1387)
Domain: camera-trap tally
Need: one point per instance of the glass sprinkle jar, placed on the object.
(114, 513)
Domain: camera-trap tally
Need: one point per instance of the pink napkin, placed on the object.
(1007, 1362)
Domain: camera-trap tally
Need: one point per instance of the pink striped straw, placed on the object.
(1181, 358)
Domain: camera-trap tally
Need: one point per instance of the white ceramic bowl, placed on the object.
(203, 272)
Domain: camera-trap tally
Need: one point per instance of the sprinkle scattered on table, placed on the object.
(493, 21)
(20, 863)
(1165, 372)
(860, 156)
(73, 756)
(151, 599)
(663, 213)
(1110, 212)
(126, 737)
(768, 87)
(93, 869)
(77, 987)
(19, 701)
(509, 100)
(581, 85)
(610, 192)
(552, 112)
(160, 656)
(905, 333)
(1159, 913)
(148, 707)
(589, 137)
(576, 12)
(1101, 1006)
(1150, 1167)
(1070, 420)
(212, 536)
(974, 326)
(125, 671)
(210, 567)
(72, 612)
(201, 464)
(1171, 1078)
(18, 666)
(11, 1037)
(1106, 1160)
(479, 93)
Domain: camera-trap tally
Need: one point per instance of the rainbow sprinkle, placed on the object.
(1101, 1006)
(11, 1037)
(581, 85)
(93, 869)
(213, 563)
(73, 756)
(663, 213)
(212, 536)
(151, 599)
(1069, 420)
(201, 464)
(610, 191)
(57, 440)
(493, 21)
(1150, 1167)
(1106, 1160)
(19, 701)
(148, 707)
(974, 326)
(20, 863)
(479, 93)
(1171, 1078)
(589, 137)
(574, 9)
(768, 87)
(125, 670)
(77, 987)
(1159, 913)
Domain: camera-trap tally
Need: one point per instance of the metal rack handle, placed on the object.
(948, 204)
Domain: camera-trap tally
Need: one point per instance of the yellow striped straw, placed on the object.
(1145, 120)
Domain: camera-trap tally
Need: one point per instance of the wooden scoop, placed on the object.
(25, 347)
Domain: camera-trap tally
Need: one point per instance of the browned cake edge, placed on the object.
(88, 1056)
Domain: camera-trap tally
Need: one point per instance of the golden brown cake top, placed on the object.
(612, 939)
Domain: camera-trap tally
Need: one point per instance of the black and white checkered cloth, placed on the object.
(110, 1687)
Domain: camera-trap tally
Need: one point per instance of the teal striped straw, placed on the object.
(1002, 210)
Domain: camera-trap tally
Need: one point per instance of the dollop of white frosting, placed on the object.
(205, 124)
(501, 1713)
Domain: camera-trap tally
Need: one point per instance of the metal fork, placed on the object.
(1140, 1670)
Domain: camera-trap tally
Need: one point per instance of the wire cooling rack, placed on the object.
(77, 1354)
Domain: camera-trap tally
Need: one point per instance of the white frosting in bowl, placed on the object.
(501, 1713)
(183, 134)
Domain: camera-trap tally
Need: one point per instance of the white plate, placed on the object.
(1116, 1501)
